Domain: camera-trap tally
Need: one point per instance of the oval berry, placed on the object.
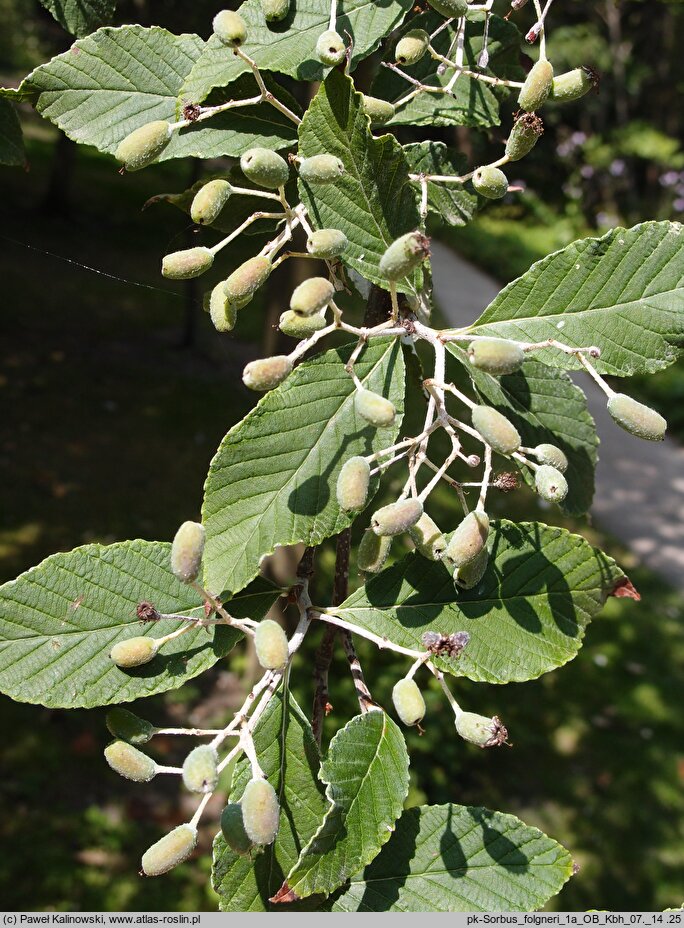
(496, 356)
(374, 408)
(134, 651)
(129, 762)
(230, 28)
(209, 201)
(573, 85)
(260, 811)
(471, 573)
(330, 48)
(187, 551)
(404, 255)
(327, 243)
(379, 111)
(550, 454)
(246, 280)
(490, 182)
(408, 702)
(311, 296)
(373, 552)
(233, 829)
(526, 132)
(397, 517)
(469, 538)
(352, 484)
(428, 538)
(297, 326)
(222, 312)
(271, 645)
(411, 47)
(170, 850)
(450, 8)
(321, 169)
(636, 418)
(183, 265)
(144, 145)
(127, 726)
(265, 167)
(275, 10)
(537, 86)
(550, 484)
(480, 730)
(266, 373)
(496, 430)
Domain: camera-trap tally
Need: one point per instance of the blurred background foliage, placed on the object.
(117, 392)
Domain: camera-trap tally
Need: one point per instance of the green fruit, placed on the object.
(246, 280)
(330, 48)
(144, 145)
(230, 28)
(404, 255)
(380, 111)
(327, 243)
(301, 326)
(374, 408)
(311, 296)
(260, 811)
(209, 201)
(496, 356)
(272, 648)
(321, 169)
(411, 47)
(526, 131)
(182, 265)
(537, 87)
(573, 84)
(373, 552)
(397, 517)
(223, 313)
(233, 829)
(187, 550)
(200, 773)
(636, 418)
(471, 573)
(496, 430)
(126, 726)
(266, 373)
(550, 484)
(170, 850)
(490, 182)
(275, 10)
(428, 538)
(480, 730)
(134, 651)
(450, 8)
(408, 702)
(469, 539)
(265, 167)
(129, 762)
(550, 454)
(352, 484)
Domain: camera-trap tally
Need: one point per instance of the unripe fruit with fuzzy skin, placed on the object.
(496, 356)
(374, 408)
(134, 651)
(266, 373)
(471, 573)
(450, 8)
(330, 48)
(260, 811)
(526, 132)
(187, 550)
(300, 326)
(129, 762)
(573, 84)
(380, 111)
(550, 484)
(209, 201)
(275, 10)
(327, 243)
(200, 773)
(490, 182)
(271, 645)
(411, 47)
(408, 702)
(636, 418)
(246, 280)
(397, 517)
(496, 430)
(352, 484)
(233, 829)
(265, 167)
(183, 265)
(428, 538)
(550, 454)
(170, 850)
(480, 730)
(321, 169)
(230, 28)
(469, 538)
(127, 726)
(311, 296)
(537, 86)
(144, 145)
(223, 313)
(373, 552)
(404, 255)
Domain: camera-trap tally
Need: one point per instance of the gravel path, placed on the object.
(639, 485)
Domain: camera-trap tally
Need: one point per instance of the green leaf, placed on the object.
(455, 204)
(527, 615)
(272, 481)
(59, 620)
(471, 102)
(366, 773)
(11, 141)
(373, 203)
(454, 858)
(623, 292)
(79, 17)
(116, 80)
(289, 47)
(289, 757)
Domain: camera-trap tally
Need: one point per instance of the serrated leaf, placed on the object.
(471, 102)
(454, 203)
(118, 79)
(272, 480)
(373, 203)
(527, 615)
(289, 757)
(59, 620)
(11, 140)
(623, 292)
(289, 46)
(455, 858)
(79, 17)
(366, 772)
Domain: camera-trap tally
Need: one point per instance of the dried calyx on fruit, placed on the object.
(445, 645)
(526, 132)
(428, 538)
